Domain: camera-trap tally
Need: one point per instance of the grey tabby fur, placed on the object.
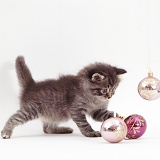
(68, 97)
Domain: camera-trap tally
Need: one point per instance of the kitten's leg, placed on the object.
(80, 119)
(16, 119)
(54, 129)
(102, 114)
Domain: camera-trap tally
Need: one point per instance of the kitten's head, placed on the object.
(100, 80)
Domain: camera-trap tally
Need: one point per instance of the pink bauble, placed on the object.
(113, 130)
(136, 125)
(149, 87)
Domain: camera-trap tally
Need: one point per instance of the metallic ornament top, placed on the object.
(149, 87)
(114, 130)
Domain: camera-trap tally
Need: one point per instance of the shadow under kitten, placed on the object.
(68, 97)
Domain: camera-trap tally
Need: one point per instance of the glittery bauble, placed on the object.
(149, 87)
(114, 130)
(136, 125)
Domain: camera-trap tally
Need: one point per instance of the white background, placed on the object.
(62, 36)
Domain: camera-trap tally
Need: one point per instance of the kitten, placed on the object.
(68, 97)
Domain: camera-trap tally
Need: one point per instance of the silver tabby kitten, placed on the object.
(69, 97)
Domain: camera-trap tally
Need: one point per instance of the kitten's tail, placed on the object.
(23, 72)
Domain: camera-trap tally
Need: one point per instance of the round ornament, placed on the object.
(136, 125)
(149, 87)
(113, 130)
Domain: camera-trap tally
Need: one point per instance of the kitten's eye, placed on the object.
(103, 91)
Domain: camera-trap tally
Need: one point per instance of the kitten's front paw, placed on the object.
(93, 134)
(6, 134)
(112, 114)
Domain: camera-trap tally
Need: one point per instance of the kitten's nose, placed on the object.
(109, 95)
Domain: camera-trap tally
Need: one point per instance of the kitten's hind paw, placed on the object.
(58, 130)
(93, 134)
(63, 130)
(6, 134)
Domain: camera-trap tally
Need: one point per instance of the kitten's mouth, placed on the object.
(107, 97)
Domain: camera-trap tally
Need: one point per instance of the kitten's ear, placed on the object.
(97, 77)
(120, 71)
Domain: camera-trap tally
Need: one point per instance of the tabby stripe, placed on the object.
(101, 115)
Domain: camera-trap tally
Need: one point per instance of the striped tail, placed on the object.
(23, 72)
